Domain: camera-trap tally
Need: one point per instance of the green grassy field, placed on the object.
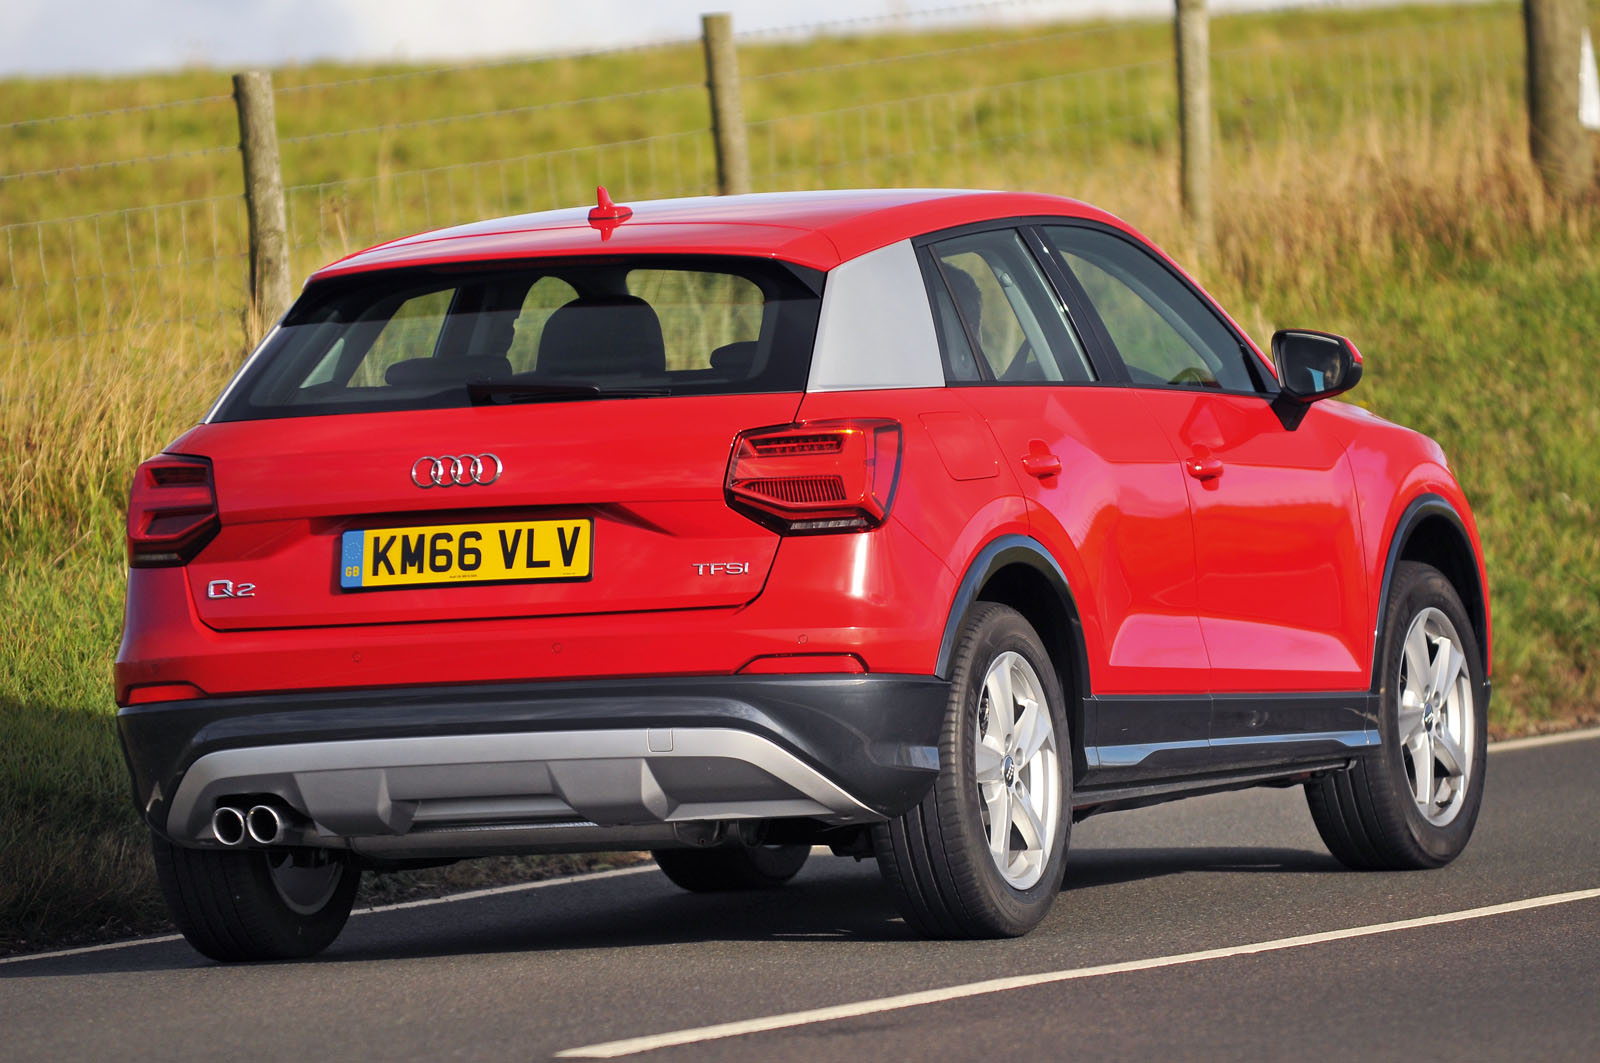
(1375, 184)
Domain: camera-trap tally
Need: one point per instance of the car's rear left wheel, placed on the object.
(732, 867)
(981, 856)
(238, 905)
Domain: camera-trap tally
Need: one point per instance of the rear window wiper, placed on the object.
(506, 392)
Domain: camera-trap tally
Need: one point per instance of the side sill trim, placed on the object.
(1092, 801)
(1128, 756)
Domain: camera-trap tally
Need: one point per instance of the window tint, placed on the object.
(1165, 334)
(993, 288)
(422, 339)
(545, 297)
(410, 332)
(959, 364)
(701, 313)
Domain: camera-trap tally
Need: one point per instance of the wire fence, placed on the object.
(1070, 109)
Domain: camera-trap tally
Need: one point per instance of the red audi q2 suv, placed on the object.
(916, 524)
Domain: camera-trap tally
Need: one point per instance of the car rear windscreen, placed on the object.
(550, 331)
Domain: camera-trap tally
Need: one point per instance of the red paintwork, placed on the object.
(805, 664)
(1393, 465)
(1278, 546)
(163, 636)
(653, 487)
(1116, 520)
(1206, 547)
(816, 229)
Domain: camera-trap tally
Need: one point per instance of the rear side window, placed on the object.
(425, 339)
(1006, 309)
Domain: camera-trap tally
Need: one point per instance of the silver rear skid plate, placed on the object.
(514, 791)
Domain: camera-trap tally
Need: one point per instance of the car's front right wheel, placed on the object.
(981, 855)
(1414, 803)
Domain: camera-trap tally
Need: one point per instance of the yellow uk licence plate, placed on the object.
(503, 552)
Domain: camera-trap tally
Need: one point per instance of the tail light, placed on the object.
(172, 511)
(826, 476)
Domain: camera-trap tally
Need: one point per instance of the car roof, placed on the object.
(816, 229)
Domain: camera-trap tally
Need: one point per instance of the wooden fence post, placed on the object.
(1557, 139)
(1192, 37)
(263, 197)
(727, 110)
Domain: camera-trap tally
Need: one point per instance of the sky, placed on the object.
(44, 37)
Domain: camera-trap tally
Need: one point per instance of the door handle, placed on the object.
(1039, 461)
(1206, 468)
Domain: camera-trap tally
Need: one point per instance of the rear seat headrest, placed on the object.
(608, 335)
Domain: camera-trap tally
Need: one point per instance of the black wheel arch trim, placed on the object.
(999, 554)
(1421, 508)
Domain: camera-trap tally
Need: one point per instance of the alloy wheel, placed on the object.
(1017, 770)
(307, 883)
(1437, 730)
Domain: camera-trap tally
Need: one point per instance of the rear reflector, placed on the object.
(152, 692)
(805, 664)
(827, 476)
(172, 511)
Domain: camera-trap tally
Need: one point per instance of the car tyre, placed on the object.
(1414, 804)
(733, 867)
(253, 904)
(981, 855)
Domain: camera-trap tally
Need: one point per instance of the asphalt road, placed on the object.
(532, 972)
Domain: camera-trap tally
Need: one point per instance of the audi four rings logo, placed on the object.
(456, 470)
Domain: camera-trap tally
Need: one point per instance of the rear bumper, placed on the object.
(867, 595)
(372, 767)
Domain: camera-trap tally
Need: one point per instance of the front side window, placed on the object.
(995, 299)
(429, 338)
(1165, 334)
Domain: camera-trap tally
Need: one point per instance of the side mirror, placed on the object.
(1314, 365)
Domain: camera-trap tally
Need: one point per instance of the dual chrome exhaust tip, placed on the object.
(262, 824)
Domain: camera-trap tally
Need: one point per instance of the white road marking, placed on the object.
(635, 1045)
(516, 887)
(450, 898)
(86, 949)
(1535, 741)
